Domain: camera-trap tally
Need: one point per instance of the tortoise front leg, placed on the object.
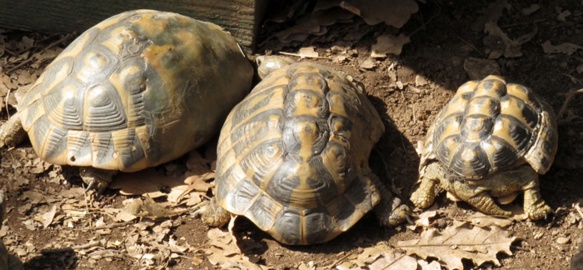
(525, 178)
(430, 178)
(12, 133)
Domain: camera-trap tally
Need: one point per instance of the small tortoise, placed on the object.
(139, 89)
(293, 156)
(492, 140)
(7, 261)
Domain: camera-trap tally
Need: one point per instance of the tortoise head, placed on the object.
(266, 64)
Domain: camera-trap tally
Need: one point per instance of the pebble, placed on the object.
(369, 63)
(420, 81)
(563, 240)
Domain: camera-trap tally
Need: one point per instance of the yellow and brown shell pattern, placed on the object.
(132, 92)
(293, 155)
(489, 126)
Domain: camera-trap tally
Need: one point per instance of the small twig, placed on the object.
(341, 259)
(6, 102)
(426, 22)
(572, 78)
(303, 56)
(110, 226)
(523, 23)
(471, 45)
(10, 52)
(568, 96)
(91, 244)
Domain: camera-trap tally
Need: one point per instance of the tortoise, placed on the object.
(491, 141)
(7, 260)
(292, 157)
(136, 90)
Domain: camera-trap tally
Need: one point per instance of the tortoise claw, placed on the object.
(91, 185)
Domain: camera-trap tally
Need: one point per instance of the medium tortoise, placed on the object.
(7, 260)
(492, 140)
(293, 157)
(136, 90)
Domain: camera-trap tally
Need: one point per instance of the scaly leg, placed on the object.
(12, 133)
(96, 178)
(212, 213)
(430, 179)
(390, 211)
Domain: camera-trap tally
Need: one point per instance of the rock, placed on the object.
(563, 240)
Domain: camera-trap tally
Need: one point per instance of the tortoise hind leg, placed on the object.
(390, 211)
(12, 133)
(212, 214)
(526, 179)
(96, 178)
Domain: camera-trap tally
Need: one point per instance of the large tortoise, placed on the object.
(492, 140)
(136, 90)
(293, 156)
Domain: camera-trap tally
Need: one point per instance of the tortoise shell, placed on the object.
(489, 126)
(136, 90)
(293, 155)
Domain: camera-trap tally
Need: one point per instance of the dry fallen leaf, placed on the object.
(47, 218)
(512, 48)
(426, 218)
(224, 252)
(312, 24)
(307, 266)
(368, 64)
(394, 261)
(566, 48)
(389, 44)
(530, 10)
(434, 265)
(199, 182)
(492, 13)
(380, 256)
(482, 220)
(562, 17)
(308, 52)
(461, 241)
(33, 196)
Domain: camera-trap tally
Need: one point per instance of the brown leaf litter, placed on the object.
(460, 241)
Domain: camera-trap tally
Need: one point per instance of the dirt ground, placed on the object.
(52, 224)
